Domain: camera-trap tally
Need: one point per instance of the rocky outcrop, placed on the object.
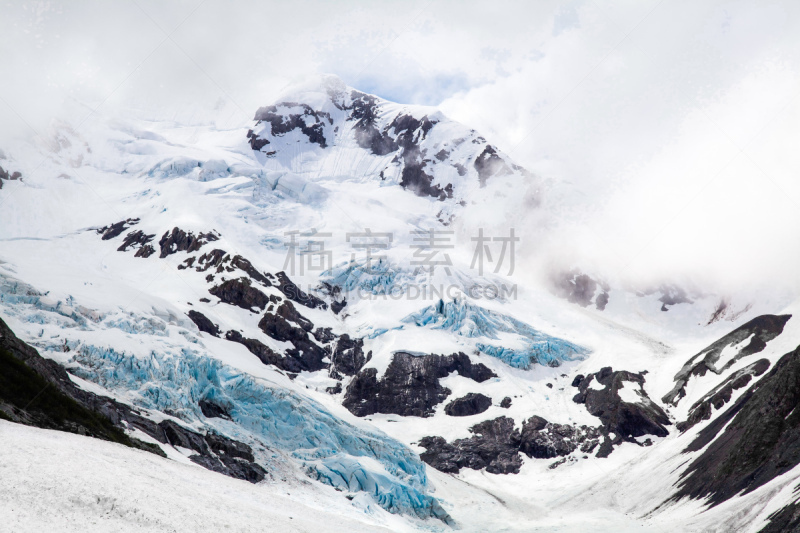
(721, 394)
(212, 451)
(752, 442)
(203, 323)
(622, 420)
(410, 385)
(180, 241)
(760, 331)
(471, 404)
(348, 356)
(285, 324)
(241, 293)
(581, 289)
(295, 294)
(497, 444)
(139, 241)
(6, 175)
(494, 447)
(116, 229)
(307, 120)
(785, 519)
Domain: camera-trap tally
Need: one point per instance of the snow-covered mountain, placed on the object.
(326, 300)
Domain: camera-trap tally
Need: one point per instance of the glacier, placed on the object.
(330, 449)
(473, 321)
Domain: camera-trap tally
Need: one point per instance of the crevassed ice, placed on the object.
(473, 321)
(330, 449)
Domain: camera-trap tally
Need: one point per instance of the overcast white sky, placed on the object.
(671, 129)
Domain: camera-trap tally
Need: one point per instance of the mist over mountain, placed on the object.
(408, 267)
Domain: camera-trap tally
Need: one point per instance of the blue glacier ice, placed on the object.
(378, 277)
(473, 321)
(330, 449)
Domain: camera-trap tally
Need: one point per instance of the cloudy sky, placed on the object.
(669, 130)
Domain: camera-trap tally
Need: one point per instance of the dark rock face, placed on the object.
(309, 121)
(212, 451)
(203, 323)
(348, 357)
(785, 519)
(264, 353)
(471, 404)
(760, 441)
(506, 402)
(213, 410)
(116, 229)
(293, 292)
(497, 444)
(5, 175)
(625, 420)
(542, 440)
(38, 392)
(180, 241)
(489, 163)
(241, 293)
(720, 395)
(672, 295)
(287, 325)
(581, 289)
(140, 241)
(762, 329)
(368, 136)
(410, 386)
(494, 448)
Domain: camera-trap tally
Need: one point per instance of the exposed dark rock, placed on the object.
(488, 163)
(581, 289)
(180, 241)
(214, 452)
(264, 353)
(784, 520)
(138, 239)
(494, 447)
(348, 357)
(213, 410)
(762, 329)
(281, 124)
(471, 404)
(720, 395)
(5, 175)
(293, 292)
(324, 335)
(368, 136)
(203, 323)
(335, 389)
(336, 307)
(542, 440)
(287, 325)
(760, 441)
(506, 402)
(241, 293)
(256, 142)
(601, 301)
(116, 229)
(671, 295)
(626, 420)
(410, 386)
(38, 392)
